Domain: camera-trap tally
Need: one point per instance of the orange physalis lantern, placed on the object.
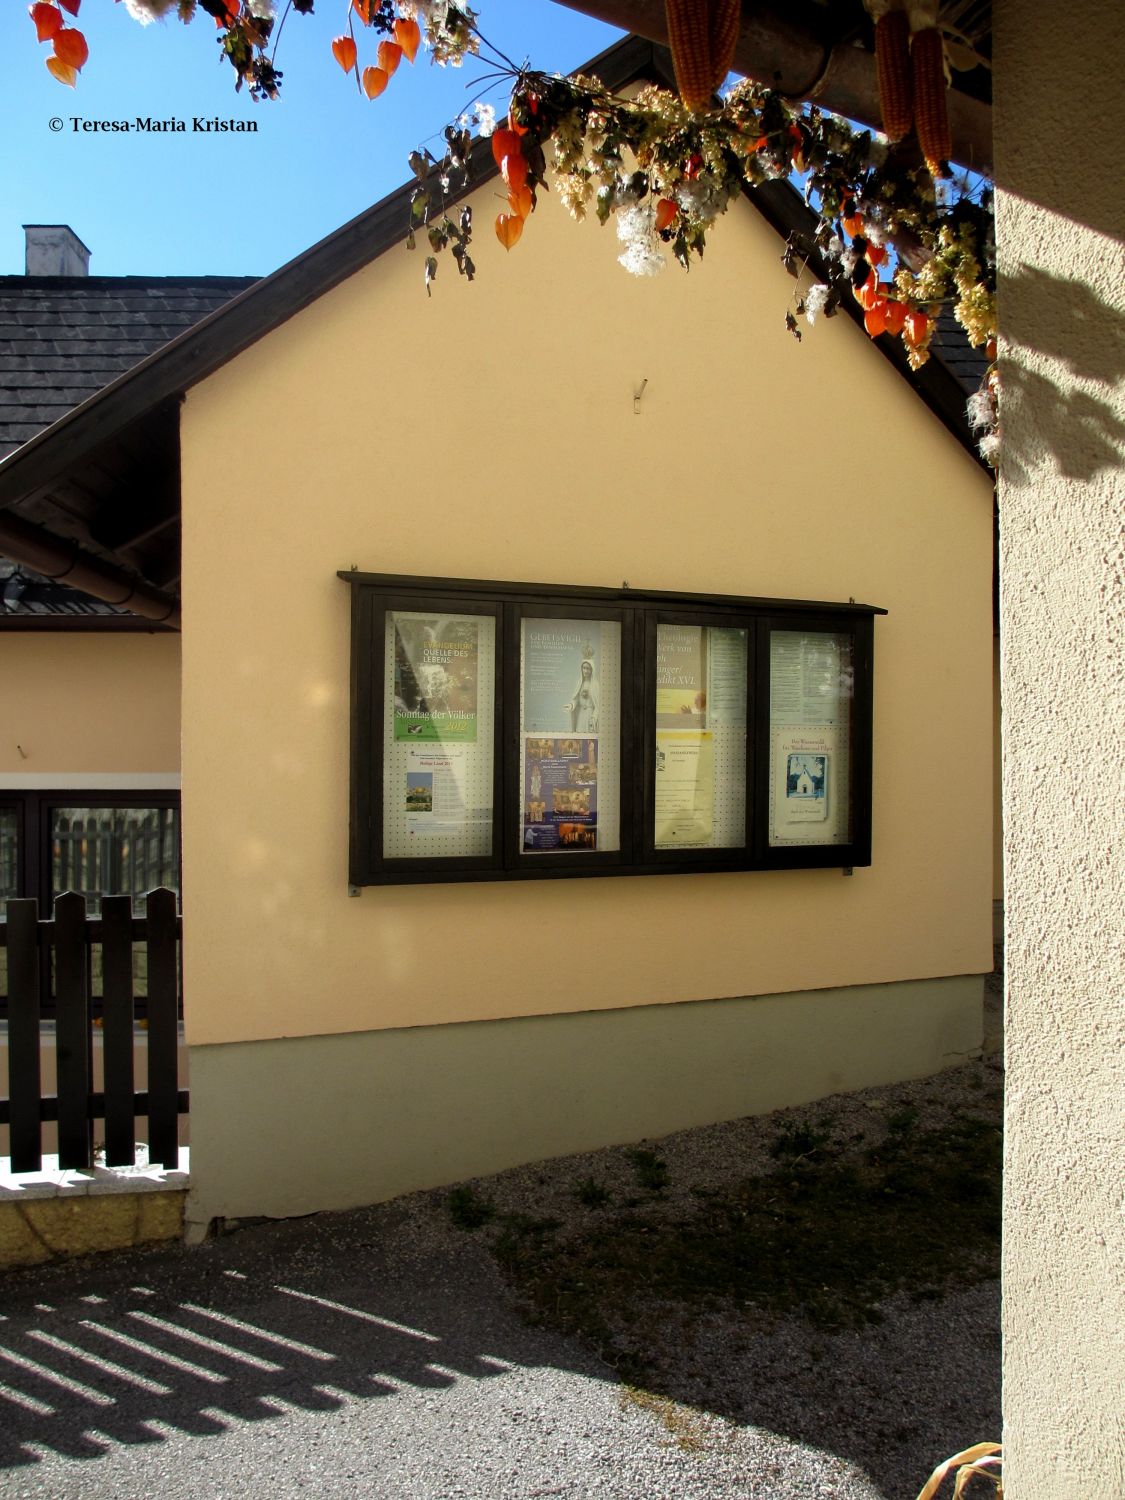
(48, 20)
(916, 326)
(896, 317)
(408, 36)
(666, 211)
(521, 202)
(875, 318)
(515, 171)
(868, 294)
(374, 81)
(70, 6)
(62, 71)
(364, 9)
(390, 55)
(504, 142)
(343, 50)
(70, 47)
(509, 227)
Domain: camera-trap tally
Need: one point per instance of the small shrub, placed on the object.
(902, 1121)
(651, 1169)
(802, 1141)
(467, 1210)
(591, 1194)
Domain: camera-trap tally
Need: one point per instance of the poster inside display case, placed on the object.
(700, 760)
(438, 734)
(811, 695)
(570, 735)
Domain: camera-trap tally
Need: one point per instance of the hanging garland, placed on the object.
(892, 228)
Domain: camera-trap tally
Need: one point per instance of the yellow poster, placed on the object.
(685, 789)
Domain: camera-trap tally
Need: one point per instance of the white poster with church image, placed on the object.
(811, 689)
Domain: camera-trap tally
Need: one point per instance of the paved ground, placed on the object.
(377, 1353)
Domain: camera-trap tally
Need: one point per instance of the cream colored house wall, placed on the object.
(997, 796)
(76, 708)
(1060, 234)
(489, 431)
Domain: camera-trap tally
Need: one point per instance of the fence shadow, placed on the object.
(314, 1316)
(105, 1352)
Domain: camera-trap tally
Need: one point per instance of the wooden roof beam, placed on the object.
(789, 57)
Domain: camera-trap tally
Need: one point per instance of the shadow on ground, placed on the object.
(373, 1339)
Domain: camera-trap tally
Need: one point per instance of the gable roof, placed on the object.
(90, 477)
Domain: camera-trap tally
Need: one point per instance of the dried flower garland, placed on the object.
(890, 229)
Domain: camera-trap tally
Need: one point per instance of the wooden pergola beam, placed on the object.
(789, 57)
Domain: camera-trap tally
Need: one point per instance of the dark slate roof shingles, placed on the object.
(62, 338)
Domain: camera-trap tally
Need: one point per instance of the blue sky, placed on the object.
(162, 204)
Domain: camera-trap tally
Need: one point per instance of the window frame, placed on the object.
(34, 810)
(639, 613)
(369, 685)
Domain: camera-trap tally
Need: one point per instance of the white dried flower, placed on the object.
(989, 448)
(834, 247)
(265, 10)
(145, 11)
(486, 118)
(816, 299)
(979, 411)
(636, 229)
(642, 260)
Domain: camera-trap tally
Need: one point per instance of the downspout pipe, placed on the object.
(65, 562)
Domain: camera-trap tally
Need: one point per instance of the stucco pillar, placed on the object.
(1061, 227)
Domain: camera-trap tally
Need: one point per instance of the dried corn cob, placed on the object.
(931, 105)
(726, 21)
(892, 59)
(689, 35)
(702, 35)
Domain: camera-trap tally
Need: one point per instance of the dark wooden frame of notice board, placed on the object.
(638, 613)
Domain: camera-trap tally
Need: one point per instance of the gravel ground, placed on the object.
(380, 1352)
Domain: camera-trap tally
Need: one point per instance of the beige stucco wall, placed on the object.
(489, 431)
(98, 703)
(997, 792)
(1061, 227)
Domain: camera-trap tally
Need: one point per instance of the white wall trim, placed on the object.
(98, 781)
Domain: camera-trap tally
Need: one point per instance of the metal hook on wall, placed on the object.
(637, 398)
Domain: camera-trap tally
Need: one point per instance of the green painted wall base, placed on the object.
(300, 1124)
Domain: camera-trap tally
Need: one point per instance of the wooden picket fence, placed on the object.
(55, 957)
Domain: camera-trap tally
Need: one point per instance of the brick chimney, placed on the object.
(54, 250)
